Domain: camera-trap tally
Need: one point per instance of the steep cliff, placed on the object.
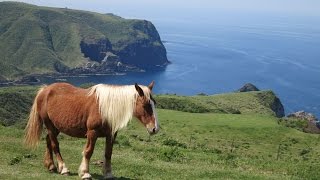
(146, 52)
(96, 50)
(36, 40)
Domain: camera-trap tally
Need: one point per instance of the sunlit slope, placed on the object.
(254, 102)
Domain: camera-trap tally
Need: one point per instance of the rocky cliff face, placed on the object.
(110, 64)
(270, 100)
(143, 53)
(308, 122)
(277, 107)
(146, 53)
(95, 50)
(248, 87)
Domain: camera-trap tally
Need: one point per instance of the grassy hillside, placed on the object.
(36, 39)
(189, 146)
(15, 104)
(254, 102)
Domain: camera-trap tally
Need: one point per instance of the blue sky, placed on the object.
(298, 7)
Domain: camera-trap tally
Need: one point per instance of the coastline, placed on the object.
(35, 79)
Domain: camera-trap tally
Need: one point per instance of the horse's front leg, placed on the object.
(87, 153)
(107, 170)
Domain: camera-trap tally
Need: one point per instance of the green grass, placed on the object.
(189, 146)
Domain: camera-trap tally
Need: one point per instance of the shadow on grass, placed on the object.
(124, 178)
(99, 176)
(73, 174)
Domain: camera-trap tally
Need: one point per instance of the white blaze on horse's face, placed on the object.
(156, 122)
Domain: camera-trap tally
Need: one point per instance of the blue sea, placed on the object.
(218, 52)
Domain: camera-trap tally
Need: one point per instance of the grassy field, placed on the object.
(189, 146)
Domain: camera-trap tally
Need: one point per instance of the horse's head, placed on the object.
(145, 108)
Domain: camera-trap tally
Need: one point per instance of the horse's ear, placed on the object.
(138, 88)
(151, 85)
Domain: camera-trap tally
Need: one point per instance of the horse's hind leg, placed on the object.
(48, 157)
(53, 133)
(87, 153)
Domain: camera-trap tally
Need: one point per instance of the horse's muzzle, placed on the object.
(153, 130)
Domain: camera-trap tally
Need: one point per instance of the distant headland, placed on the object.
(39, 40)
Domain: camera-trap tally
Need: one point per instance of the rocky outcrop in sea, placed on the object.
(311, 122)
(248, 87)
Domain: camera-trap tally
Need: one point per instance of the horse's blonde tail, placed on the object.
(34, 127)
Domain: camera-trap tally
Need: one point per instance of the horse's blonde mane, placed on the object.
(117, 103)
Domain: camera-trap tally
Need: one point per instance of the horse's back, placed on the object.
(64, 94)
(65, 89)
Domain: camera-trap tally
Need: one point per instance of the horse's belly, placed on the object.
(71, 127)
(77, 123)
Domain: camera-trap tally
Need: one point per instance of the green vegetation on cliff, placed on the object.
(255, 102)
(35, 40)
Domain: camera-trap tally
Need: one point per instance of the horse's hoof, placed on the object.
(112, 178)
(108, 176)
(65, 172)
(86, 176)
(52, 169)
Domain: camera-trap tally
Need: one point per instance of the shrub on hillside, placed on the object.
(172, 142)
(295, 123)
(15, 107)
(172, 155)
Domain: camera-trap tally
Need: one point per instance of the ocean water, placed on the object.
(221, 52)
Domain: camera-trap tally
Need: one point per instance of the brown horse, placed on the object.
(99, 111)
